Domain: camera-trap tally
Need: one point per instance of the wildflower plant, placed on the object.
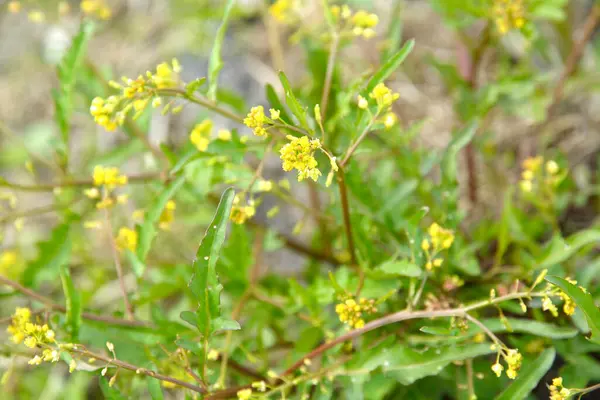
(320, 242)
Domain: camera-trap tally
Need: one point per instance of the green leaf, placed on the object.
(292, 101)
(560, 250)
(394, 31)
(390, 65)
(460, 140)
(73, 302)
(529, 377)
(401, 267)
(536, 328)
(407, 365)
(147, 230)
(52, 254)
(222, 324)
(438, 330)
(188, 317)
(204, 283)
(67, 72)
(216, 62)
(584, 301)
(276, 103)
(154, 388)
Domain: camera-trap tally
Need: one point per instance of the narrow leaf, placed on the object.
(390, 65)
(154, 388)
(73, 302)
(292, 101)
(204, 283)
(529, 377)
(584, 301)
(216, 62)
(401, 267)
(460, 140)
(52, 254)
(560, 250)
(276, 103)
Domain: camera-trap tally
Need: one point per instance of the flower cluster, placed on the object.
(439, 239)
(95, 8)
(383, 96)
(108, 177)
(244, 394)
(135, 94)
(31, 334)
(558, 391)
(350, 312)
(360, 23)
(534, 177)
(508, 15)
(513, 360)
(200, 135)
(257, 120)
(299, 154)
(283, 10)
(240, 213)
(126, 239)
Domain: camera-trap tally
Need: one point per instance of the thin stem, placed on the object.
(202, 102)
(118, 266)
(358, 141)
(335, 40)
(141, 178)
(484, 328)
(346, 213)
(60, 308)
(470, 386)
(79, 349)
(403, 316)
(35, 211)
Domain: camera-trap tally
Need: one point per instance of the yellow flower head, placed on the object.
(282, 10)
(299, 154)
(240, 214)
(508, 15)
(383, 96)
(497, 368)
(167, 216)
(126, 239)
(108, 176)
(166, 75)
(95, 8)
(200, 135)
(256, 120)
(350, 312)
(14, 7)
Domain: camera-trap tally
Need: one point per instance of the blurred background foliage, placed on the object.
(475, 102)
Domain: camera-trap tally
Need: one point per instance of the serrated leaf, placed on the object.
(584, 301)
(216, 62)
(67, 71)
(401, 267)
(390, 65)
(147, 230)
(292, 101)
(204, 283)
(52, 254)
(73, 302)
(529, 377)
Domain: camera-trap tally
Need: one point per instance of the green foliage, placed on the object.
(411, 252)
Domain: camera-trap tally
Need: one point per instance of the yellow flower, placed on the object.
(244, 394)
(166, 75)
(552, 167)
(240, 214)
(261, 386)
(280, 10)
(425, 245)
(265, 186)
(256, 119)
(533, 163)
(547, 305)
(224, 135)
(389, 120)
(508, 15)
(212, 355)
(108, 176)
(36, 16)
(299, 154)
(7, 260)
(200, 135)
(274, 114)
(350, 312)
(383, 96)
(126, 239)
